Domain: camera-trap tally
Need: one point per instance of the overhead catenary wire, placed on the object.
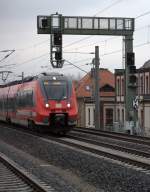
(101, 11)
(6, 56)
(2, 66)
(108, 39)
(106, 8)
(32, 59)
(142, 14)
(106, 54)
(7, 50)
(137, 17)
(79, 52)
(33, 46)
(102, 55)
(110, 53)
(119, 50)
(89, 45)
(76, 66)
(37, 44)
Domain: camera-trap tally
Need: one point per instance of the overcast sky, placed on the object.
(18, 31)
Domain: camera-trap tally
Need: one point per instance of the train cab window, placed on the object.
(25, 98)
(56, 90)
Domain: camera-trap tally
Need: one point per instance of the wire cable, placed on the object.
(76, 66)
(6, 56)
(79, 52)
(32, 59)
(137, 17)
(142, 15)
(33, 46)
(109, 39)
(6, 65)
(108, 7)
(83, 39)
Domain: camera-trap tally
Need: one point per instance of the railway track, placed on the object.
(111, 146)
(13, 178)
(113, 135)
(126, 157)
(137, 158)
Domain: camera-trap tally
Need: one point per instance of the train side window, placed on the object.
(18, 99)
(31, 98)
(11, 104)
(25, 98)
(28, 98)
(5, 103)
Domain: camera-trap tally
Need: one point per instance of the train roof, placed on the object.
(41, 76)
(52, 76)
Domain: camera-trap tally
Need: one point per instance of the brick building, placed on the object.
(143, 93)
(85, 97)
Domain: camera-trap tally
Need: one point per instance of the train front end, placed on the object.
(59, 104)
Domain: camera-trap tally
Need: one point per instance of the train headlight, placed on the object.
(47, 105)
(68, 105)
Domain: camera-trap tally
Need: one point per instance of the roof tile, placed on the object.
(105, 77)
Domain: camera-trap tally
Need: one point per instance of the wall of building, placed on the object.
(108, 116)
(81, 113)
(143, 91)
(89, 115)
(147, 119)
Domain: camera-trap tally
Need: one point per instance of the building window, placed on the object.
(118, 86)
(93, 116)
(109, 117)
(147, 85)
(89, 117)
(141, 84)
(118, 114)
(123, 86)
(25, 99)
(122, 115)
(87, 88)
(142, 119)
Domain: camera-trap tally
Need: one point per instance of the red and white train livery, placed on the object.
(47, 100)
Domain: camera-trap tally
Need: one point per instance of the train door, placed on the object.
(89, 115)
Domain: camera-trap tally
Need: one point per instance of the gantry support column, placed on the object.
(131, 116)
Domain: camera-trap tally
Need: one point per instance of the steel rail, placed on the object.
(113, 154)
(112, 135)
(111, 146)
(28, 182)
(125, 159)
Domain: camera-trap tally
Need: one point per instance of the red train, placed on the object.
(47, 100)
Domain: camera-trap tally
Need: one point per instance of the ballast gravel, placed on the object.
(68, 169)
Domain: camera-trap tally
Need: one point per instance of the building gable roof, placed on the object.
(107, 88)
(86, 84)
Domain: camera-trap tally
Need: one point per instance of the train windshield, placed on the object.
(56, 90)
